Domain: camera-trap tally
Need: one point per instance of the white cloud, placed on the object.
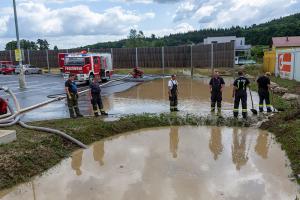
(35, 19)
(3, 25)
(225, 13)
(180, 28)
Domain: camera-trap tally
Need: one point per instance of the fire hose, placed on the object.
(13, 117)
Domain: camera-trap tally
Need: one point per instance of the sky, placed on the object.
(74, 23)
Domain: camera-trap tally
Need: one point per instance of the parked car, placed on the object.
(29, 69)
(8, 70)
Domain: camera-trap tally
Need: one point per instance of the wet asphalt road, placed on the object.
(40, 86)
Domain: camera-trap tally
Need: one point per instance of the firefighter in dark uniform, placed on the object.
(216, 88)
(96, 97)
(173, 93)
(263, 83)
(240, 94)
(72, 96)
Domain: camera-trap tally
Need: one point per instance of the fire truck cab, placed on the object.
(87, 65)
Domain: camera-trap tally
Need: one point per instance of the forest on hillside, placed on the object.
(255, 35)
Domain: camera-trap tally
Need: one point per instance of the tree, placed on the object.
(43, 44)
(25, 44)
(132, 34)
(55, 48)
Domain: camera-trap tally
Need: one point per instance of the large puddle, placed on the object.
(170, 163)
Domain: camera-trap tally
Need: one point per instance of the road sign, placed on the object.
(18, 55)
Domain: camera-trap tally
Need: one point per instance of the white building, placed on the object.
(242, 51)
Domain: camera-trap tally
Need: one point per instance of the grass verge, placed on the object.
(34, 152)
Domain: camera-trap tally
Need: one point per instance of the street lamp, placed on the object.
(22, 83)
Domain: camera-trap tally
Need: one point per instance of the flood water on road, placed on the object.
(170, 163)
(125, 97)
(152, 97)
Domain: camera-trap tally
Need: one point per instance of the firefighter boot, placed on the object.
(103, 112)
(72, 114)
(219, 110)
(77, 112)
(245, 115)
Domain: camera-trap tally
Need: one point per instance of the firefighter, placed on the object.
(72, 96)
(173, 92)
(263, 83)
(137, 73)
(3, 106)
(96, 97)
(240, 94)
(216, 88)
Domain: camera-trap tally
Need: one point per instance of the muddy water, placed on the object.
(170, 163)
(152, 97)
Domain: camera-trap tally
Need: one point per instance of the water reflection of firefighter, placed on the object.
(76, 162)
(96, 97)
(216, 88)
(240, 94)
(3, 106)
(173, 93)
(215, 142)
(98, 152)
(263, 92)
(238, 148)
(72, 96)
(262, 146)
(174, 140)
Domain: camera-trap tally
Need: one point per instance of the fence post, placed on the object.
(192, 67)
(10, 56)
(163, 59)
(112, 57)
(28, 56)
(136, 57)
(212, 58)
(47, 57)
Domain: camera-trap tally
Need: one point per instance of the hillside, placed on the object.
(256, 35)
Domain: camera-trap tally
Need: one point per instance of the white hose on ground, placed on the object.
(16, 119)
(57, 132)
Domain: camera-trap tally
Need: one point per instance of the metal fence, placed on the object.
(197, 56)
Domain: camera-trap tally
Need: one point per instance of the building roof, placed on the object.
(293, 41)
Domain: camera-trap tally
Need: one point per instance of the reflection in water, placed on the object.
(239, 154)
(262, 146)
(174, 140)
(76, 162)
(98, 152)
(215, 142)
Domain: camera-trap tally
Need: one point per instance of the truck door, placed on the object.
(96, 61)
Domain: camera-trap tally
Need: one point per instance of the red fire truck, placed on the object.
(86, 65)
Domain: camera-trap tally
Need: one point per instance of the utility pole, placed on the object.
(22, 83)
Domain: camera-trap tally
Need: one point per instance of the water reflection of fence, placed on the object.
(198, 56)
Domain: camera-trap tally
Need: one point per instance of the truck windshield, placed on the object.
(78, 61)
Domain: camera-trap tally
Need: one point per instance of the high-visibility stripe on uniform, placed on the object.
(235, 110)
(244, 110)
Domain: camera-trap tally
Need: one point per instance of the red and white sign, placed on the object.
(285, 65)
